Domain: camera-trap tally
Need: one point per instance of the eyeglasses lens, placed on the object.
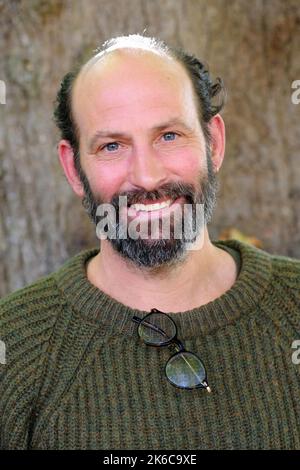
(185, 370)
(157, 329)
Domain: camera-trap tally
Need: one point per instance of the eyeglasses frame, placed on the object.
(173, 342)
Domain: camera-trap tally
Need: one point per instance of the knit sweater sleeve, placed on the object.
(27, 318)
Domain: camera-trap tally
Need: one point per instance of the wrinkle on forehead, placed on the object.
(139, 78)
(130, 60)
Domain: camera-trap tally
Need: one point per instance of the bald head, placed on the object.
(134, 42)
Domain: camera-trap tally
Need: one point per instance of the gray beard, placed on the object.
(159, 253)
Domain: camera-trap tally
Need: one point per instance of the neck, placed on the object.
(204, 275)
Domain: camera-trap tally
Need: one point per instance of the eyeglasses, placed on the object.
(184, 369)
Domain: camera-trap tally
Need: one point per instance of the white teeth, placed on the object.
(151, 207)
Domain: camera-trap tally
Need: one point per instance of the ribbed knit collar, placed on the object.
(114, 318)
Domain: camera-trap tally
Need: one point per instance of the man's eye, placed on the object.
(111, 147)
(170, 136)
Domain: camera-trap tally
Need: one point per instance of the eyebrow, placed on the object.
(117, 135)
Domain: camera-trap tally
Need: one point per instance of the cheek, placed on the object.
(106, 178)
(188, 165)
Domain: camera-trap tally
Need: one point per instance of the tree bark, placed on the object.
(253, 46)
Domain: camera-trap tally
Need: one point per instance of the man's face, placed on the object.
(140, 137)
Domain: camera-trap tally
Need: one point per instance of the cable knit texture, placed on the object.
(77, 376)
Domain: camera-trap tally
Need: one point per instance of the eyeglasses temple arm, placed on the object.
(150, 325)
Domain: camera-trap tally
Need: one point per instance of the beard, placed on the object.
(163, 252)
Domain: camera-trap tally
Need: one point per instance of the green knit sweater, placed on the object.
(77, 376)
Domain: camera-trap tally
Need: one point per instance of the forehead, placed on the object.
(131, 82)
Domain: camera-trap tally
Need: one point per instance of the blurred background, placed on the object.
(254, 46)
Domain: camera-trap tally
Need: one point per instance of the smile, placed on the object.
(158, 209)
(151, 207)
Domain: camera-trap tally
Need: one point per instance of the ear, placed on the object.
(66, 157)
(217, 131)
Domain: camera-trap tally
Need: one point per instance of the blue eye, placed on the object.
(168, 136)
(112, 146)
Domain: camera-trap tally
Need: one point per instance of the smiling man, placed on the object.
(142, 139)
(145, 142)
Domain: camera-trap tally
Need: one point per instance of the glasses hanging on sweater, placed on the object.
(184, 369)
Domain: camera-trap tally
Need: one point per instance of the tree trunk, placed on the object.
(253, 46)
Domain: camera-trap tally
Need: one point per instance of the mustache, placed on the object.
(166, 191)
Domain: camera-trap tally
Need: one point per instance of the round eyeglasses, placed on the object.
(184, 369)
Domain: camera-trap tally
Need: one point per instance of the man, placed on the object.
(138, 123)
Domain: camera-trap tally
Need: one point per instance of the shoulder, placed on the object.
(283, 296)
(286, 280)
(28, 315)
(29, 308)
(277, 282)
(286, 270)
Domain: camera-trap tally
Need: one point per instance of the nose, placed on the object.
(146, 169)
